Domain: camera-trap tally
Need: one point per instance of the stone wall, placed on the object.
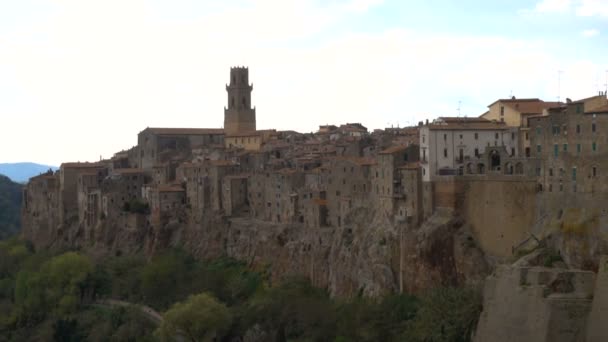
(535, 304)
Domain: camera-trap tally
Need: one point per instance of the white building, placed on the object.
(452, 146)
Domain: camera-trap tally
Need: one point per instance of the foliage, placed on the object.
(10, 207)
(136, 206)
(45, 297)
(199, 318)
(446, 314)
(294, 309)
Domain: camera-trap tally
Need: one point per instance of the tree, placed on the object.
(446, 314)
(200, 318)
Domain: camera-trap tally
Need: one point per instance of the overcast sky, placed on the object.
(79, 79)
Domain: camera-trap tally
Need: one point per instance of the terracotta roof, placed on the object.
(184, 131)
(530, 106)
(170, 188)
(82, 165)
(457, 119)
(603, 109)
(361, 161)
(410, 166)
(394, 149)
(247, 134)
(490, 125)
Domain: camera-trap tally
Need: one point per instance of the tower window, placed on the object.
(244, 102)
(232, 102)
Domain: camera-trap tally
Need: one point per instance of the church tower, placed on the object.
(239, 117)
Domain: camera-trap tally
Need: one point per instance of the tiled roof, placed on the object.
(170, 188)
(82, 165)
(603, 109)
(394, 149)
(185, 131)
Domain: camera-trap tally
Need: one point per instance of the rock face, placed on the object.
(536, 304)
(368, 255)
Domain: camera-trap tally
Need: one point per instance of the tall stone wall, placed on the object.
(501, 213)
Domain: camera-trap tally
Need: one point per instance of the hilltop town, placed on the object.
(356, 211)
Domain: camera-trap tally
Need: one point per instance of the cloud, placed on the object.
(552, 6)
(588, 8)
(590, 33)
(84, 80)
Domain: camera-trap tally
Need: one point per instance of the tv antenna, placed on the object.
(459, 103)
(559, 84)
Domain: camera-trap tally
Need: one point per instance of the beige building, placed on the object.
(453, 146)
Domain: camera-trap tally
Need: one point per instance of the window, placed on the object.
(502, 111)
(512, 135)
(512, 151)
(538, 170)
(445, 137)
(561, 172)
(538, 148)
(578, 148)
(565, 147)
(593, 146)
(550, 187)
(561, 187)
(477, 152)
(496, 136)
(593, 127)
(476, 136)
(594, 171)
(565, 129)
(538, 131)
(550, 172)
(578, 109)
(445, 152)
(461, 136)
(527, 136)
(555, 150)
(578, 129)
(574, 173)
(461, 155)
(423, 155)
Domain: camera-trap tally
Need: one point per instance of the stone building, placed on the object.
(450, 146)
(348, 186)
(239, 117)
(158, 145)
(234, 198)
(69, 175)
(387, 186)
(571, 144)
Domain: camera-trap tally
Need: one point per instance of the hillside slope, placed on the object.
(22, 172)
(10, 206)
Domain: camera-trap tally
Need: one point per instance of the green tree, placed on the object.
(446, 314)
(199, 318)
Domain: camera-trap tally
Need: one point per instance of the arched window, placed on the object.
(232, 103)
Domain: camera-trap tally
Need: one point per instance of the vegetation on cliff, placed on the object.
(46, 297)
(10, 206)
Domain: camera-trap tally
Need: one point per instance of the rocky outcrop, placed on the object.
(536, 304)
(369, 255)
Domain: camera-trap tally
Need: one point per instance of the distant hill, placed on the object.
(22, 172)
(10, 206)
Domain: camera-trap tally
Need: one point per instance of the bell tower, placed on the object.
(239, 117)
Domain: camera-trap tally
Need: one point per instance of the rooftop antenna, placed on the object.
(459, 102)
(606, 84)
(559, 85)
